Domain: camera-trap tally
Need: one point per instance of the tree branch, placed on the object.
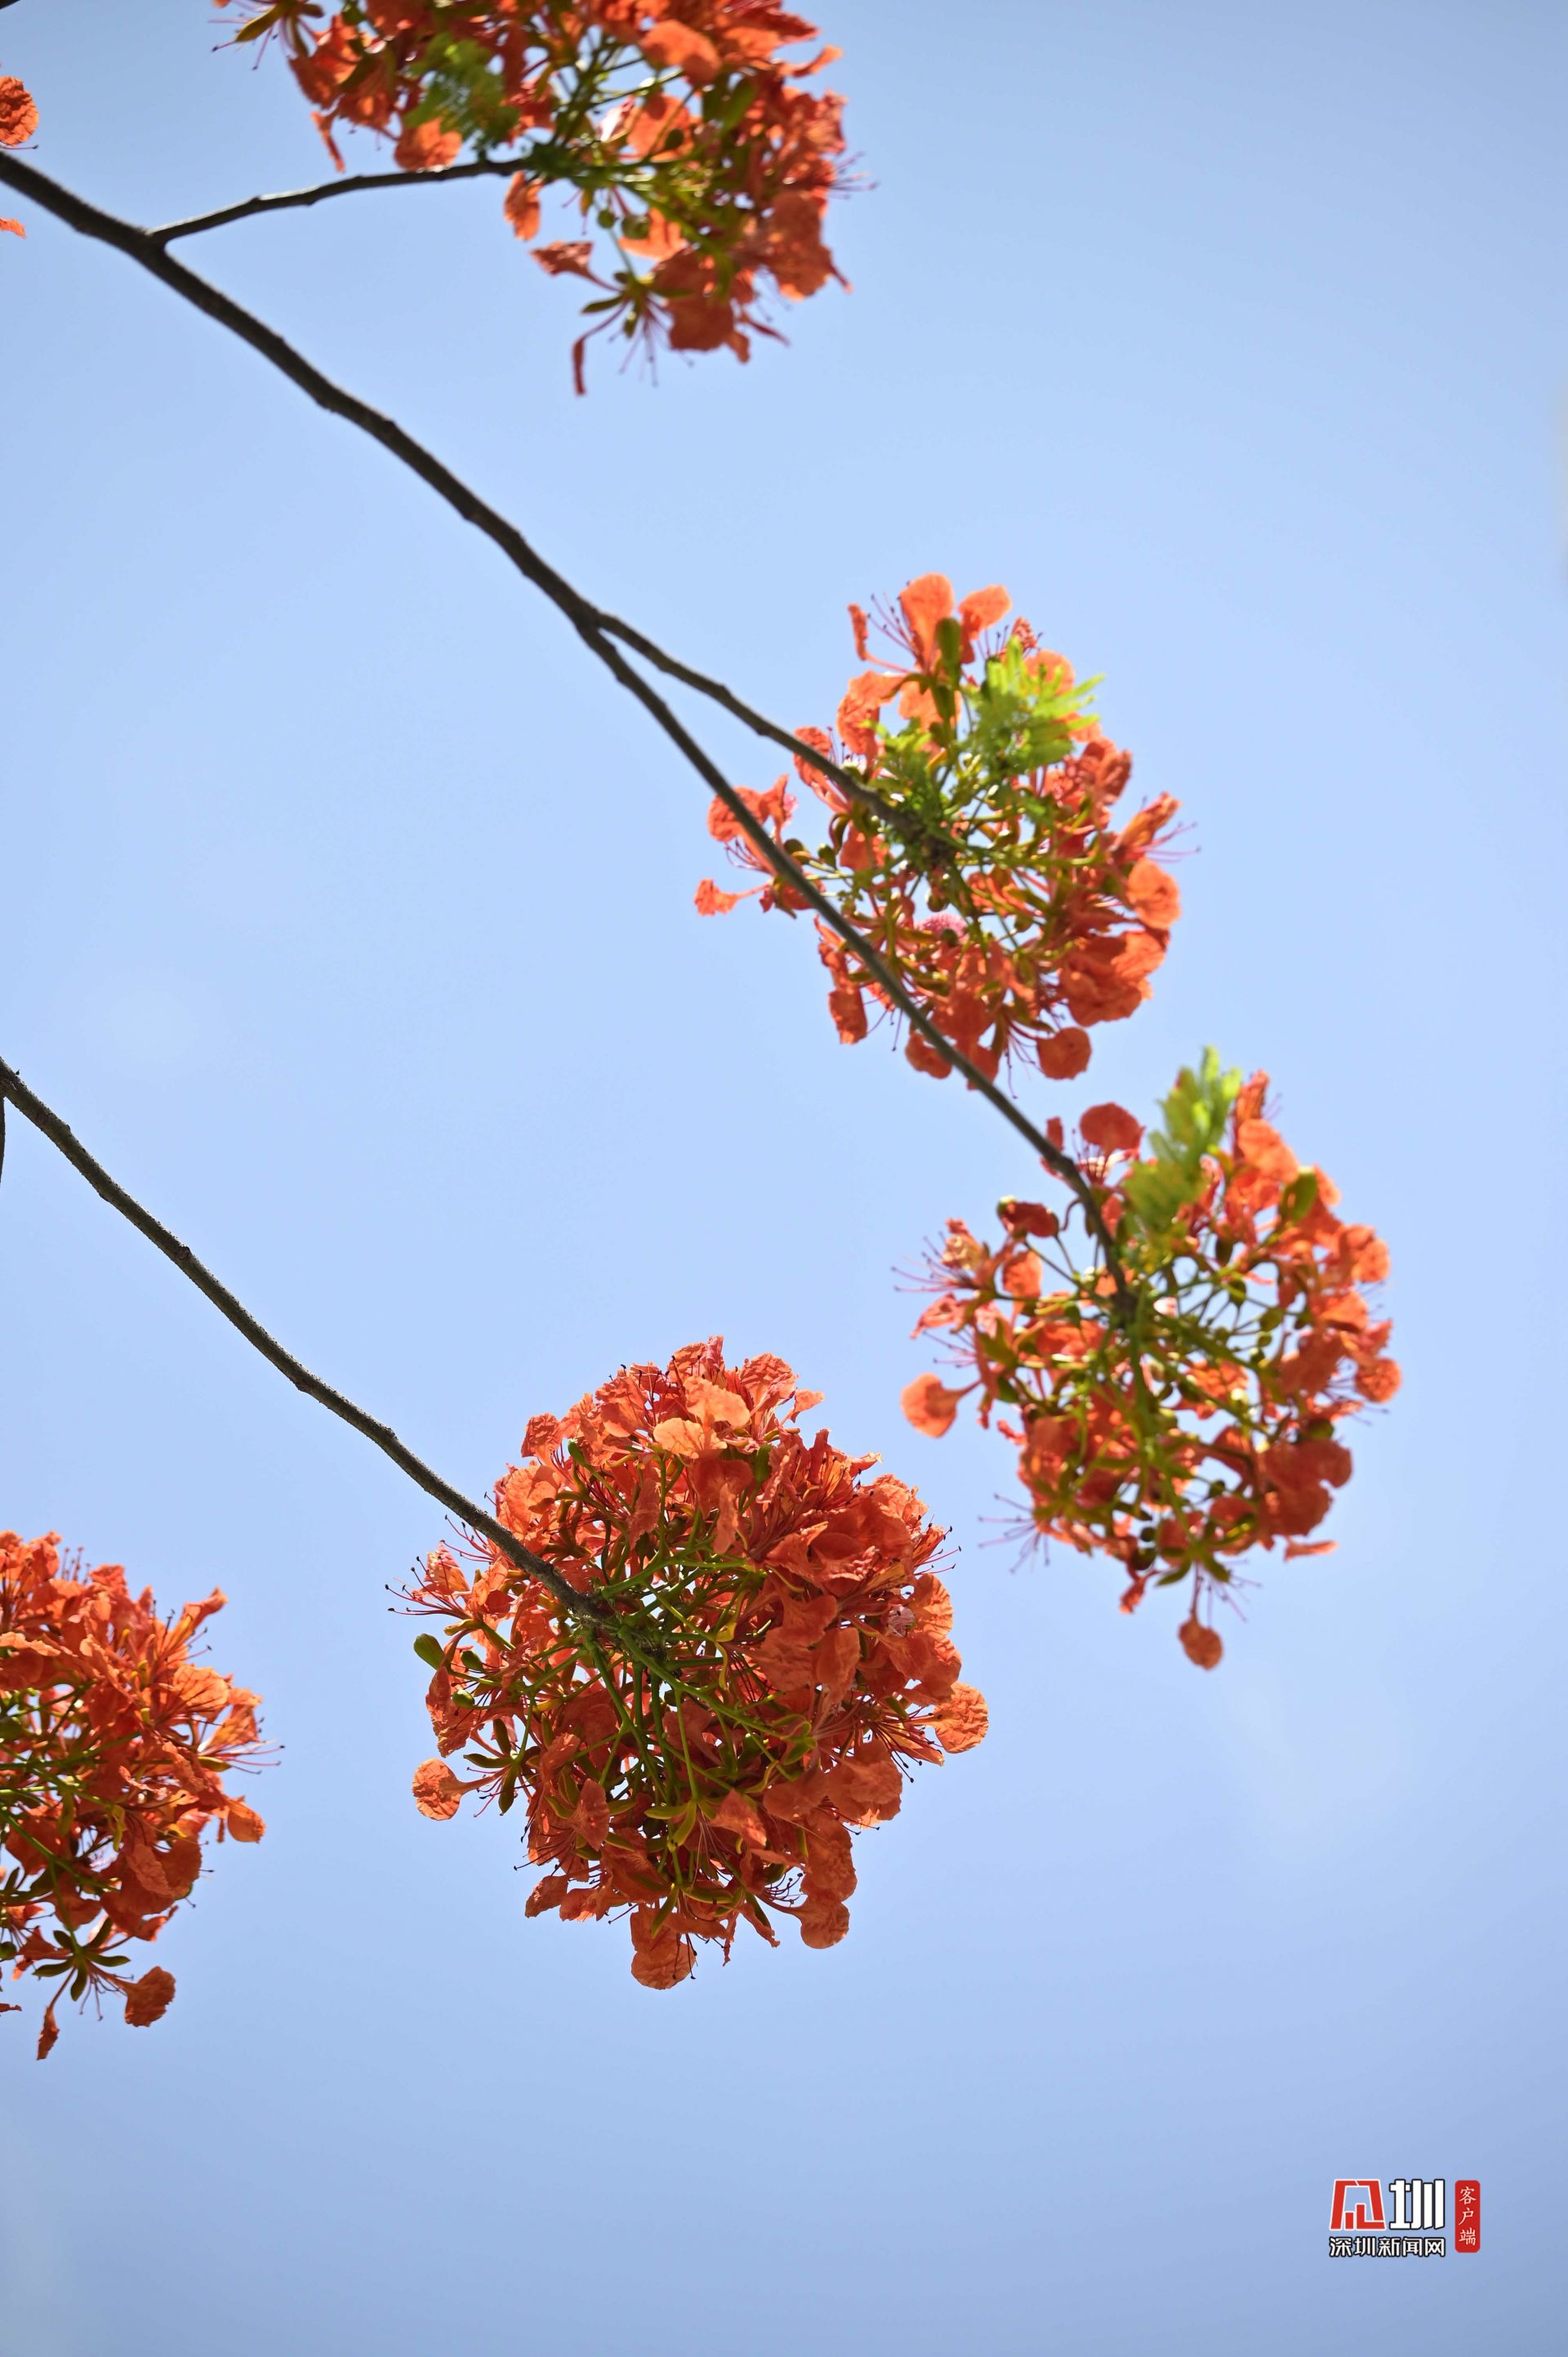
(1060, 1164)
(143, 246)
(849, 781)
(595, 628)
(197, 224)
(49, 1124)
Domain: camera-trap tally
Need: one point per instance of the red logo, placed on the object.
(1358, 2206)
(1467, 2213)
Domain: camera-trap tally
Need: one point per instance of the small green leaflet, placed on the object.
(1159, 1188)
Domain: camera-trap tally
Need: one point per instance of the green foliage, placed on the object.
(1160, 1187)
(463, 91)
(1021, 715)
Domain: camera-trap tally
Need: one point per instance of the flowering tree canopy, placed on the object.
(113, 1747)
(702, 1649)
(779, 1658)
(1207, 1426)
(700, 160)
(983, 867)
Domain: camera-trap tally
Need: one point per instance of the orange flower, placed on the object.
(930, 1405)
(1201, 1644)
(998, 890)
(691, 146)
(149, 1999)
(113, 1744)
(1199, 1422)
(773, 1659)
(436, 1792)
(1112, 1129)
(18, 121)
(426, 146)
(1064, 1054)
(18, 113)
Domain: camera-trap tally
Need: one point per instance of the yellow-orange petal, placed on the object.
(18, 116)
(981, 609)
(149, 1999)
(1201, 1645)
(663, 1962)
(823, 1922)
(962, 1720)
(520, 205)
(1153, 892)
(436, 1792)
(1262, 1145)
(930, 1405)
(1113, 1128)
(1065, 1054)
(925, 602)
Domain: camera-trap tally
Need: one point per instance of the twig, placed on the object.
(1062, 1165)
(594, 627)
(145, 246)
(197, 224)
(849, 781)
(49, 1124)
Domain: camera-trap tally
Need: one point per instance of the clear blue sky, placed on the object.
(347, 915)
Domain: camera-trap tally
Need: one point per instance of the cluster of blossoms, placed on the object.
(1194, 1416)
(770, 1652)
(18, 121)
(988, 873)
(113, 1744)
(693, 146)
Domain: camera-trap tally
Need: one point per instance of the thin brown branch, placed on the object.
(1062, 1165)
(349, 184)
(145, 246)
(49, 1124)
(849, 781)
(594, 627)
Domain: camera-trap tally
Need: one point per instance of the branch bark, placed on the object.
(350, 184)
(143, 246)
(597, 631)
(49, 1124)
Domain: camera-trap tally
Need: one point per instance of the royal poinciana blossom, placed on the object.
(778, 1658)
(992, 878)
(742, 1647)
(18, 121)
(1209, 1424)
(697, 154)
(113, 1747)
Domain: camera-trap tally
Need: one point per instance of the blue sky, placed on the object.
(346, 916)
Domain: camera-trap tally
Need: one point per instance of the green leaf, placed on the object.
(1160, 1187)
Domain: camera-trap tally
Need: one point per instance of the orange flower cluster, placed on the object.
(18, 121)
(113, 1744)
(1205, 1424)
(775, 1652)
(693, 146)
(996, 884)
